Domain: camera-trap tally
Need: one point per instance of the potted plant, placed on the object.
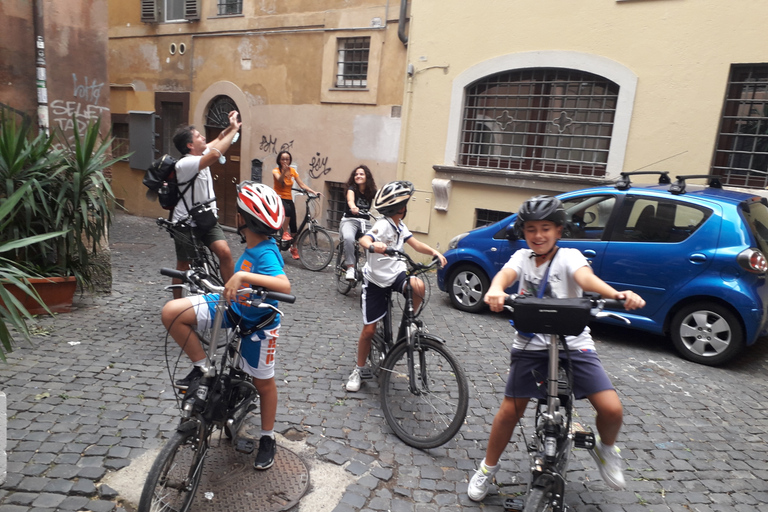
(61, 192)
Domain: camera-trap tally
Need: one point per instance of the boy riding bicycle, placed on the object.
(545, 270)
(260, 215)
(381, 275)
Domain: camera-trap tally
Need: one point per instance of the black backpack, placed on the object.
(161, 178)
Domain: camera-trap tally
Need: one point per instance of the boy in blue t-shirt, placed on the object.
(260, 214)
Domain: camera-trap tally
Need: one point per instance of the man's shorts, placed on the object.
(528, 373)
(182, 238)
(257, 349)
(375, 299)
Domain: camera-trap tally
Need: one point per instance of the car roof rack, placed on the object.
(624, 182)
(678, 187)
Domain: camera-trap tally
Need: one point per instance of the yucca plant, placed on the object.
(56, 206)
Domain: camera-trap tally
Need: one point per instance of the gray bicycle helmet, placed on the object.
(391, 197)
(539, 208)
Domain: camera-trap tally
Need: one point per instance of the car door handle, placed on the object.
(589, 253)
(697, 257)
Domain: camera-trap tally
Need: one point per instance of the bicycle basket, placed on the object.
(551, 316)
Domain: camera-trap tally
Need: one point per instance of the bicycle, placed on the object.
(314, 243)
(221, 399)
(549, 447)
(424, 391)
(204, 259)
(343, 285)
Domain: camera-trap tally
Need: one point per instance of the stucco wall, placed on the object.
(274, 63)
(680, 52)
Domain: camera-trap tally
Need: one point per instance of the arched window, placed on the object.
(218, 113)
(551, 120)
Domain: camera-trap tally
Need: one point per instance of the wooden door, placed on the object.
(225, 179)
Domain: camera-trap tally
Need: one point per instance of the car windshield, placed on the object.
(756, 213)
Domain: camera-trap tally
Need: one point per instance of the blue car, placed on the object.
(695, 253)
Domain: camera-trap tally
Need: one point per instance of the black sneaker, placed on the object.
(194, 375)
(265, 458)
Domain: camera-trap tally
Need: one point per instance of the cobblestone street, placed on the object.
(93, 394)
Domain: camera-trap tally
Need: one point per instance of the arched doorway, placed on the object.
(226, 176)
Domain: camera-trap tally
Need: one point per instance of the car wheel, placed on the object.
(707, 333)
(467, 287)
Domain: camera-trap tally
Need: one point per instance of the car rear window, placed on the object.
(756, 214)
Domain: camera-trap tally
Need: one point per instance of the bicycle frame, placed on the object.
(306, 221)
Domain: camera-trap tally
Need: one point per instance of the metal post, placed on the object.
(43, 122)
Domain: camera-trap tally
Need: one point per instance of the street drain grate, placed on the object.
(229, 482)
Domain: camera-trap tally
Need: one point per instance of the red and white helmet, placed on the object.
(261, 207)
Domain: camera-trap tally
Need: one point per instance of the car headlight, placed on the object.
(455, 240)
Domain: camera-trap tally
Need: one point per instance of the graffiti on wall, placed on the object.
(318, 166)
(66, 115)
(269, 145)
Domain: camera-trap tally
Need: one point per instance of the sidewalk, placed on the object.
(92, 396)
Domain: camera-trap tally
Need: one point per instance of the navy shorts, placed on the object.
(528, 373)
(375, 298)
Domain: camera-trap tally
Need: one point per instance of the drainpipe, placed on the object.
(401, 22)
(42, 89)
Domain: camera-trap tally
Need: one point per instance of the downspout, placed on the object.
(401, 22)
(43, 122)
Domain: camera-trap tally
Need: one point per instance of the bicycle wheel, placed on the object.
(340, 274)
(174, 476)
(315, 248)
(539, 499)
(432, 415)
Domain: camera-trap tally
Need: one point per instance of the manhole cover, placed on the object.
(229, 482)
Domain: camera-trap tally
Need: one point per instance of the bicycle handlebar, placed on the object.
(165, 223)
(416, 267)
(199, 280)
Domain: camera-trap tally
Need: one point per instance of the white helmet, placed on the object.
(392, 197)
(261, 207)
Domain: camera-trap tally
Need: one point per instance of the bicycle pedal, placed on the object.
(514, 505)
(244, 445)
(584, 440)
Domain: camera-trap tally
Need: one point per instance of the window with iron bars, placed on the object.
(121, 136)
(485, 217)
(741, 155)
(336, 202)
(543, 120)
(230, 7)
(352, 62)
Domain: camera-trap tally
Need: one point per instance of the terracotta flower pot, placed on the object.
(56, 293)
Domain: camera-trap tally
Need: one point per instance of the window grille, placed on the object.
(741, 155)
(352, 62)
(336, 202)
(230, 7)
(485, 217)
(544, 120)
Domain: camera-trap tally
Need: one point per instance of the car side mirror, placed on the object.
(510, 234)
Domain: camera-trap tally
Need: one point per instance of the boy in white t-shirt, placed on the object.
(384, 274)
(564, 273)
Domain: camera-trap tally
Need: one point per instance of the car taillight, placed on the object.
(753, 261)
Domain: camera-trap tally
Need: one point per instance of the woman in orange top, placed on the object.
(283, 176)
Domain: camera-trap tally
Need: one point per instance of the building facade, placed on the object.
(543, 97)
(53, 63)
(323, 80)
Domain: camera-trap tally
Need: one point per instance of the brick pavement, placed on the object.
(92, 395)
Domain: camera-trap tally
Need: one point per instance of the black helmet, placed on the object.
(539, 208)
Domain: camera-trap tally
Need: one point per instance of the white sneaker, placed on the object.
(481, 482)
(353, 384)
(351, 274)
(610, 464)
